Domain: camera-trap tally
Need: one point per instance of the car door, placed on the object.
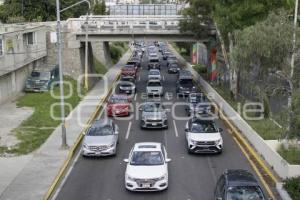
(220, 188)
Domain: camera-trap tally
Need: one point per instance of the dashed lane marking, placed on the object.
(128, 131)
(175, 127)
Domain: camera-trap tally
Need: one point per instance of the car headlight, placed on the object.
(130, 178)
(218, 141)
(192, 141)
(162, 178)
(85, 146)
(111, 145)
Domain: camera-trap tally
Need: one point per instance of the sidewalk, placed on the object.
(32, 181)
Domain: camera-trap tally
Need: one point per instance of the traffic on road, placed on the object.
(158, 134)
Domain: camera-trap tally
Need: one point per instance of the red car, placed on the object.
(118, 105)
(129, 70)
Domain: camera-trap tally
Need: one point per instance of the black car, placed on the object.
(154, 63)
(173, 68)
(185, 84)
(197, 104)
(238, 184)
(127, 85)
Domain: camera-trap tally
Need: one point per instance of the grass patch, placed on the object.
(291, 155)
(292, 186)
(34, 131)
(266, 128)
(117, 50)
(99, 67)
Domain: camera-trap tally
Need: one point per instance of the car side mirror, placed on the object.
(126, 160)
(168, 160)
(220, 130)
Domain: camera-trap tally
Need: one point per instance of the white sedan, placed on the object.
(154, 74)
(147, 167)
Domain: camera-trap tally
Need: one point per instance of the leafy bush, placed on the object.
(117, 49)
(291, 154)
(292, 186)
(201, 69)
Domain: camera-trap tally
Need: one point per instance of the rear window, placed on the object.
(154, 84)
(154, 60)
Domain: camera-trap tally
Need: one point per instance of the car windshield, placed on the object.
(118, 100)
(154, 84)
(203, 127)
(128, 80)
(147, 158)
(154, 72)
(128, 68)
(244, 193)
(152, 107)
(100, 131)
(41, 75)
(154, 60)
(186, 81)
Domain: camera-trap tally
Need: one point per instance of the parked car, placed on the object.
(154, 115)
(101, 139)
(154, 87)
(147, 167)
(202, 136)
(118, 105)
(197, 104)
(129, 70)
(238, 184)
(184, 84)
(41, 79)
(127, 85)
(154, 74)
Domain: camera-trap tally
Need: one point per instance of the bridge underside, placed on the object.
(143, 36)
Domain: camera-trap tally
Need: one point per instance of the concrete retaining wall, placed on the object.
(280, 166)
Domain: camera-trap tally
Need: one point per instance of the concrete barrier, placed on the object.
(278, 164)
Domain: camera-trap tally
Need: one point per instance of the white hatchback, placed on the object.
(154, 87)
(147, 167)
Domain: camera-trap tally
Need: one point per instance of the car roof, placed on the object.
(147, 146)
(239, 177)
(45, 68)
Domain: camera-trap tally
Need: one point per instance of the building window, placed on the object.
(1, 47)
(30, 38)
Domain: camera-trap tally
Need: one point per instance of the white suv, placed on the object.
(147, 167)
(202, 136)
(154, 87)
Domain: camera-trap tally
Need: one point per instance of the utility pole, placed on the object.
(64, 144)
(292, 69)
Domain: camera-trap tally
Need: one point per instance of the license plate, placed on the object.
(127, 91)
(154, 124)
(146, 185)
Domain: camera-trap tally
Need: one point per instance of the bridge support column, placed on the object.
(101, 53)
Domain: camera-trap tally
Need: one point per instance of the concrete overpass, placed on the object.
(131, 27)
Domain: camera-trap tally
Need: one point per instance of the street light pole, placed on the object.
(59, 56)
(61, 81)
(290, 79)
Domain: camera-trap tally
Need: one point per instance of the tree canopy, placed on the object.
(40, 10)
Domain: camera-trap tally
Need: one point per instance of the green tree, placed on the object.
(99, 8)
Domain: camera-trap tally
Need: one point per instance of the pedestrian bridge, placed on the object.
(130, 27)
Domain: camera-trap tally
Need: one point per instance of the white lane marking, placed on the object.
(139, 77)
(135, 96)
(128, 131)
(175, 127)
(66, 176)
(163, 77)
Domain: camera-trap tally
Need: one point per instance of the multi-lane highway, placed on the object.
(190, 176)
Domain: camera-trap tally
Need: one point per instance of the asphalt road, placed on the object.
(190, 176)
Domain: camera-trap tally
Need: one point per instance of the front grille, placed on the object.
(145, 181)
(205, 143)
(98, 148)
(154, 120)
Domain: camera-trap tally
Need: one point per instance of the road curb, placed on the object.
(73, 149)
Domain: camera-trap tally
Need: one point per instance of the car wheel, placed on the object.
(189, 151)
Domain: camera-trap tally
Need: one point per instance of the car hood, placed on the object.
(204, 136)
(98, 140)
(154, 115)
(146, 172)
(118, 105)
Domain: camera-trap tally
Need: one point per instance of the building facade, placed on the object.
(22, 47)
